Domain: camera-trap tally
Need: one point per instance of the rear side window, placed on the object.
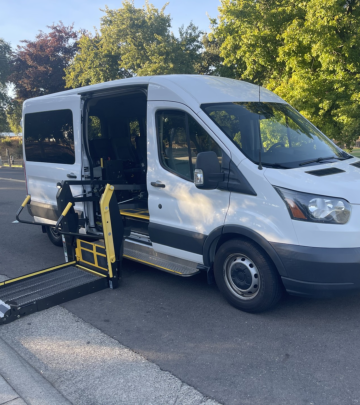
(49, 137)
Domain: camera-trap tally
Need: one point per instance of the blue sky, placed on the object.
(22, 19)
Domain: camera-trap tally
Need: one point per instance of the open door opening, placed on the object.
(117, 147)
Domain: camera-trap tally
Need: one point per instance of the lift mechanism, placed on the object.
(92, 262)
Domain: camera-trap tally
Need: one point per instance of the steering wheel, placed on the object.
(282, 144)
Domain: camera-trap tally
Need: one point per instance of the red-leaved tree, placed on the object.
(38, 66)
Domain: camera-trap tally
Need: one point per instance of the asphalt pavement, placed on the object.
(301, 352)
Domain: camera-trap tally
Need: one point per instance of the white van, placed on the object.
(234, 181)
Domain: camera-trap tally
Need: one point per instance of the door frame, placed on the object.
(172, 238)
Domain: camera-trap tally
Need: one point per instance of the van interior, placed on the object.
(117, 148)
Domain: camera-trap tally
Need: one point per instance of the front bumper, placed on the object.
(319, 272)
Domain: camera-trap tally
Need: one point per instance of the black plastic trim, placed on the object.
(84, 137)
(177, 238)
(235, 180)
(248, 233)
(212, 237)
(115, 90)
(320, 265)
(318, 290)
(356, 164)
(325, 172)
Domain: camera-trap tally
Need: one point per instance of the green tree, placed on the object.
(93, 64)
(307, 51)
(134, 41)
(5, 54)
(211, 62)
(13, 116)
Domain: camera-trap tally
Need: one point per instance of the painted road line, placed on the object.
(20, 181)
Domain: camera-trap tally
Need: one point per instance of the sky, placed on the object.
(22, 19)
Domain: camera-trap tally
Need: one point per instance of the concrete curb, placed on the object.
(31, 386)
(89, 367)
(22, 378)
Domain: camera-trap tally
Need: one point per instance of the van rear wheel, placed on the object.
(246, 276)
(54, 236)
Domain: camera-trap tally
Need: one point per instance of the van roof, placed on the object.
(197, 89)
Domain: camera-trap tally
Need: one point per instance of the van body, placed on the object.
(236, 182)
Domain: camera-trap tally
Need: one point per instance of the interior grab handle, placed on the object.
(71, 176)
(158, 184)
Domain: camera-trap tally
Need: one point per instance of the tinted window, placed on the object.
(174, 148)
(181, 138)
(49, 137)
(201, 141)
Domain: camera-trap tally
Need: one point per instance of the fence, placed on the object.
(9, 161)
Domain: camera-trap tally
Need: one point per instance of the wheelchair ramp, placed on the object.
(47, 288)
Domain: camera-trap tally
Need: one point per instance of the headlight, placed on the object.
(315, 208)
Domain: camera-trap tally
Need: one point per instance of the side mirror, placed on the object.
(207, 174)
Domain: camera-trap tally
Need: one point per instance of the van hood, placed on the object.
(344, 184)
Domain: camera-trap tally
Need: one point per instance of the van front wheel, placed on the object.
(246, 276)
(54, 236)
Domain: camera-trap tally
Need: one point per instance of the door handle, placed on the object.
(71, 176)
(158, 184)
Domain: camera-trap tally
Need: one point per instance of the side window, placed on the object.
(180, 139)
(174, 148)
(49, 137)
(201, 141)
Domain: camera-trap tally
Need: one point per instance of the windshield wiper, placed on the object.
(321, 159)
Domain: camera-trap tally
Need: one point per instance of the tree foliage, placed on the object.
(5, 54)
(38, 66)
(211, 62)
(307, 51)
(134, 41)
(13, 116)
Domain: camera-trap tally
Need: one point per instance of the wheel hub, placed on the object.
(242, 276)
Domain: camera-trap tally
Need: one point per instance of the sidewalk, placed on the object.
(53, 357)
(8, 395)
(21, 384)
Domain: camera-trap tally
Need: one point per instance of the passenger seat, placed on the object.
(121, 142)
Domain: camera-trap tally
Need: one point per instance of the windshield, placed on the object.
(287, 138)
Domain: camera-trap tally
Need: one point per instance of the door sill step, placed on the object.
(145, 254)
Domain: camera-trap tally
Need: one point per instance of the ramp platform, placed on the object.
(46, 288)
(88, 267)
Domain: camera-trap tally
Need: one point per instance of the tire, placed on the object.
(246, 277)
(54, 237)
